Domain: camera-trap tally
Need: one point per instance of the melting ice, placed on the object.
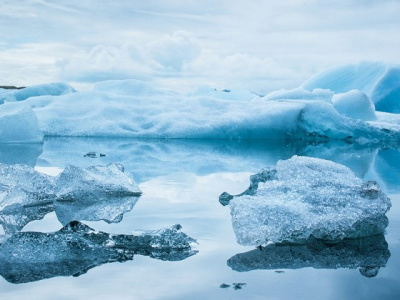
(93, 193)
(305, 198)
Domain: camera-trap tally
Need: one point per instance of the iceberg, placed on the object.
(53, 89)
(304, 198)
(379, 81)
(135, 109)
(368, 254)
(76, 248)
(76, 194)
(19, 125)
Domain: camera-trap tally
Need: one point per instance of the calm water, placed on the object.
(181, 181)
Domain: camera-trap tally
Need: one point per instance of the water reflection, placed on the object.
(76, 248)
(150, 158)
(26, 154)
(368, 254)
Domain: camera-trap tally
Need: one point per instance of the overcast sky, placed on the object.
(247, 44)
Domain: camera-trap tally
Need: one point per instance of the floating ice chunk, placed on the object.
(92, 194)
(379, 81)
(95, 183)
(368, 254)
(53, 89)
(76, 248)
(308, 198)
(25, 195)
(354, 104)
(21, 184)
(18, 125)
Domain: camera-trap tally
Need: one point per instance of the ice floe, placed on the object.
(92, 194)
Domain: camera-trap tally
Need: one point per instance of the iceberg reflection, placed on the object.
(76, 248)
(77, 194)
(368, 254)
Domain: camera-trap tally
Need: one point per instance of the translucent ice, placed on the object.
(92, 194)
(306, 198)
(76, 248)
(368, 254)
(95, 183)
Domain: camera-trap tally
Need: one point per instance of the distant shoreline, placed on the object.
(11, 87)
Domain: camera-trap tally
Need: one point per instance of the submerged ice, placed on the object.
(92, 194)
(305, 198)
(76, 248)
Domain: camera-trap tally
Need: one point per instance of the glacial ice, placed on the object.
(354, 104)
(95, 183)
(368, 254)
(19, 125)
(76, 248)
(379, 81)
(53, 89)
(92, 194)
(305, 198)
(132, 108)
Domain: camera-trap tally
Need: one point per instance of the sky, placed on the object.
(255, 45)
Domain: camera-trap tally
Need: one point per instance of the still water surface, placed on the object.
(181, 181)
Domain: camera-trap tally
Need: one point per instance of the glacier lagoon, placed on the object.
(172, 238)
(181, 181)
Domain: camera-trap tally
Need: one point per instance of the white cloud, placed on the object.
(178, 60)
(221, 43)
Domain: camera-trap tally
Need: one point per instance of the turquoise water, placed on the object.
(181, 181)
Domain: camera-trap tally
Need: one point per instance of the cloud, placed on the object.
(180, 58)
(275, 44)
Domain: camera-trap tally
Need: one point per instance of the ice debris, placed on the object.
(305, 198)
(94, 193)
(368, 254)
(76, 248)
